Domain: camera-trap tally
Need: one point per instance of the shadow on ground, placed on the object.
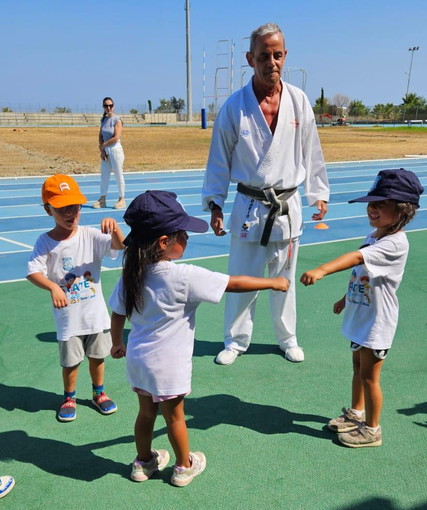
(205, 348)
(49, 455)
(416, 409)
(215, 410)
(379, 504)
(32, 400)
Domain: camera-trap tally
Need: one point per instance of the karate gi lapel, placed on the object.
(271, 156)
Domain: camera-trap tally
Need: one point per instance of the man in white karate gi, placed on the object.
(265, 139)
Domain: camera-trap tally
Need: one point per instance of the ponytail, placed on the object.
(137, 256)
(406, 213)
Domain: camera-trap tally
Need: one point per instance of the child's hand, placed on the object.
(59, 299)
(280, 283)
(108, 225)
(311, 277)
(339, 306)
(118, 351)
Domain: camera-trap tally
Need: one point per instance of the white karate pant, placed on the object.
(250, 258)
(114, 164)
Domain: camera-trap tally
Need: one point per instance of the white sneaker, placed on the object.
(6, 485)
(294, 354)
(227, 357)
(142, 471)
(183, 476)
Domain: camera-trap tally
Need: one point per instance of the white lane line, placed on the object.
(15, 242)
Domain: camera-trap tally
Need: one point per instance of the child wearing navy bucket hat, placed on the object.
(370, 304)
(160, 299)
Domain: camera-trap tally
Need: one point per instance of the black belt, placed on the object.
(276, 199)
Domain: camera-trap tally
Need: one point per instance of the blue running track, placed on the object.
(23, 219)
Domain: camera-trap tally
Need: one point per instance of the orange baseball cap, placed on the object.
(61, 190)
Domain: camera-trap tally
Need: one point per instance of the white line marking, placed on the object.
(15, 242)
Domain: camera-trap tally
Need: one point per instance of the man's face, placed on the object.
(267, 59)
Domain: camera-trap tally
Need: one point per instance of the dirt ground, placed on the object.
(74, 150)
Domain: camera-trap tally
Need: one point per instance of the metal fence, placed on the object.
(378, 114)
(388, 115)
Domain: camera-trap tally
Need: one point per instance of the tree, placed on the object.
(411, 100)
(321, 105)
(340, 101)
(134, 111)
(177, 104)
(6, 109)
(413, 106)
(172, 105)
(385, 111)
(164, 107)
(357, 109)
(61, 109)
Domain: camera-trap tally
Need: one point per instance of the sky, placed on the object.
(62, 53)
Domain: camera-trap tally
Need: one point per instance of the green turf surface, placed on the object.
(259, 421)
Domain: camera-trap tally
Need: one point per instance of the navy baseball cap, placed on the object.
(156, 213)
(396, 184)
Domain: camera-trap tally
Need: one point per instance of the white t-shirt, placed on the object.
(75, 265)
(372, 309)
(161, 340)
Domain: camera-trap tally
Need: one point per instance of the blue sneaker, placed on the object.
(67, 411)
(6, 485)
(104, 404)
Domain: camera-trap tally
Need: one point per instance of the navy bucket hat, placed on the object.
(396, 184)
(156, 213)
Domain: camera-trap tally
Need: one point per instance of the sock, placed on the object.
(70, 394)
(97, 390)
(180, 469)
(372, 429)
(358, 413)
(145, 462)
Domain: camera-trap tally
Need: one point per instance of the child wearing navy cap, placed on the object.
(370, 304)
(160, 299)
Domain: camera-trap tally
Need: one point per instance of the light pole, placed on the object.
(188, 59)
(414, 48)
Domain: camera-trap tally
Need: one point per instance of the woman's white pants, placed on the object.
(113, 164)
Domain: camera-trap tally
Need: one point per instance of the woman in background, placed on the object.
(112, 155)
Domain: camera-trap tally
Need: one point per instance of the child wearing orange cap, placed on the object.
(59, 262)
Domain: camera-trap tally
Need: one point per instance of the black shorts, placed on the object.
(378, 353)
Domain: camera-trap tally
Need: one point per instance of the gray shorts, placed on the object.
(73, 351)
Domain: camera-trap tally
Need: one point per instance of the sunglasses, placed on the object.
(107, 105)
(67, 210)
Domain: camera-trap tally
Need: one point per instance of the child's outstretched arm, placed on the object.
(345, 261)
(244, 283)
(110, 226)
(59, 299)
(117, 325)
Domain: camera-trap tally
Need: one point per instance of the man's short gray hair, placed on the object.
(266, 29)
